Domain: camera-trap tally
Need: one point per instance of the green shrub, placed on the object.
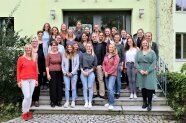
(177, 93)
(183, 68)
(10, 45)
(9, 111)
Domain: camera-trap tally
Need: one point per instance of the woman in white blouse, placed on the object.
(130, 54)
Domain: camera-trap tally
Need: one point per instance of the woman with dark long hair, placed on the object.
(130, 55)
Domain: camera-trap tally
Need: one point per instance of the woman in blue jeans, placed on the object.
(88, 63)
(70, 65)
(110, 65)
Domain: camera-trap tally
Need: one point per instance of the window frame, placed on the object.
(182, 51)
(181, 7)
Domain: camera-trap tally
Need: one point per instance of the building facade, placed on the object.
(157, 16)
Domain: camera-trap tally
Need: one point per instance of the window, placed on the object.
(7, 22)
(180, 5)
(119, 19)
(180, 46)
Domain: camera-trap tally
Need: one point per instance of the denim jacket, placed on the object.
(75, 64)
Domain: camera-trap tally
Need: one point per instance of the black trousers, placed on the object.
(44, 81)
(79, 84)
(147, 95)
(36, 94)
(56, 86)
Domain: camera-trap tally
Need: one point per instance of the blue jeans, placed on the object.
(88, 82)
(73, 81)
(118, 81)
(110, 82)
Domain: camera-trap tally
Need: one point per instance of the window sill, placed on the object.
(180, 12)
(180, 60)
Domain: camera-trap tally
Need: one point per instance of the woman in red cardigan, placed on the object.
(110, 64)
(27, 79)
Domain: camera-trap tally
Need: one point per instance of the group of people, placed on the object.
(78, 56)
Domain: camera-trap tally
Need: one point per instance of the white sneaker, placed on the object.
(131, 96)
(66, 104)
(73, 104)
(86, 105)
(135, 96)
(106, 105)
(89, 105)
(110, 107)
(154, 96)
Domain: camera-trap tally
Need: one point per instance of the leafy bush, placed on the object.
(183, 68)
(9, 111)
(177, 93)
(10, 49)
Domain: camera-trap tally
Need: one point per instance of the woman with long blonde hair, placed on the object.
(110, 64)
(27, 79)
(88, 64)
(146, 75)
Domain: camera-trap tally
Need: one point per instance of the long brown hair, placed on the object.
(49, 27)
(67, 54)
(127, 47)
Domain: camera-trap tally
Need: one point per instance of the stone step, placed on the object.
(124, 93)
(160, 101)
(96, 110)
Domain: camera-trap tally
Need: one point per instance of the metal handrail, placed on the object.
(162, 70)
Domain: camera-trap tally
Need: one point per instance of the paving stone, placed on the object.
(63, 118)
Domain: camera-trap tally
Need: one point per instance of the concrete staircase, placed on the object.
(123, 105)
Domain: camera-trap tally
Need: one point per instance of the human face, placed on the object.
(145, 44)
(34, 42)
(87, 30)
(76, 47)
(140, 33)
(107, 32)
(94, 38)
(114, 31)
(96, 28)
(84, 37)
(111, 49)
(128, 36)
(54, 47)
(116, 38)
(54, 31)
(58, 39)
(100, 37)
(63, 27)
(148, 37)
(46, 27)
(70, 33)
(69, 48)
(40, 35)
(79, 25)
(89, 48)
(28, 49)
(130, 42)
(123, 34)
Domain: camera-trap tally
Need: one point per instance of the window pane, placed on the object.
(178, 5)
(84, 20)
(178, 46)
(184, 46)
(112, 21)
(184, 5)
